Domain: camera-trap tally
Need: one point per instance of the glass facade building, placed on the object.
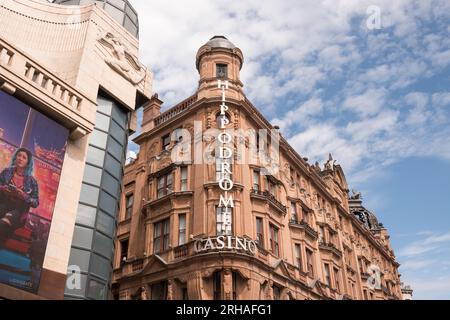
(93, 240)
(119, 10)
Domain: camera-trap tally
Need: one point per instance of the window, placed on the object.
(159, 291)
(298, 256)
(123, 250)
(234, 285)
(259, 232)
(274, 245)
(166, 142)
(165, 185)
(336, 279)
(293, 211)
(226, 173)
(255, 180)
(220, 120)
(276, 292)
(327, 274)
(181, 229)
(178, 135)
(309, 262)
(184, 293)
(321, 235)
(184, 179)
(128, 206)
(161, 236)
(217, 285)
(224, 220)
(221, 71)
(271, 187)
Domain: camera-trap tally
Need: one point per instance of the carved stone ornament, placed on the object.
(121, 60)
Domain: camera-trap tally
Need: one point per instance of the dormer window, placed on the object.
(221, 71)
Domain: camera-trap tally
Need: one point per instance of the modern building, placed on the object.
(70, 81)
(202, 217)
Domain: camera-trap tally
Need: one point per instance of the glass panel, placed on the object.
(105, 223)
(98, 139)
(97, 290)
(108, 203)
(95, 156)
(104, 105)
(129, 25)
(116, 14)
(110, 184)
(100, 266)
(86, 215)
(118, 3)
(103, 245)
(82, 237)
(113, 166)
(120, 116)
(117, 132)
(115, 148)
(169, 182)
(82, 290)
(80, 258)
(89, 194)
(131, 13)
(102, 121)
(157, 230)
(92, 175)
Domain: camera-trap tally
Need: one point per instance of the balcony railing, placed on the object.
(271, 198)
(175, 110)
(330, 247)
(303, 224)
(29, 75)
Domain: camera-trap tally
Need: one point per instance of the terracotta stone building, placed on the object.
(292, 231)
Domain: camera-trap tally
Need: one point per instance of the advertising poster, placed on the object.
(32, 149)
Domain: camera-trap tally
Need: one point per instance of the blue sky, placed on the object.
(377, 98)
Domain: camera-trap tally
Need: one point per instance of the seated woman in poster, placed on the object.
(19, 191)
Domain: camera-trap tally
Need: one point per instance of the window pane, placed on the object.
(98, 139)
(104, 105)
(95, 156)
(157, 230)
(113, 166)
(108, 203)
(110, 184)
(86, 215)
(115, 148)
(89, 194)
(103, 245)
(119, 116)
(118, 133)
(92, 175)
(100, 266)
(97, 290)
(102, 122)
(116, 14)
(82, 237)
(79, 258)
(82, 290)
(105, 223)
(118, 3)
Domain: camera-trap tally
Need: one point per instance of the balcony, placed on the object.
(266, 195)
(305, 226)
(331, 248)
(175, 110)
(20, 73)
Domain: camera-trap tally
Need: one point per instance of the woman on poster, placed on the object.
(19, 191)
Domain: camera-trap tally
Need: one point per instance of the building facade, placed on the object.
(202, 217)
(70, 82)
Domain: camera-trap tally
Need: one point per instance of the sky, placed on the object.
(368, 81)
